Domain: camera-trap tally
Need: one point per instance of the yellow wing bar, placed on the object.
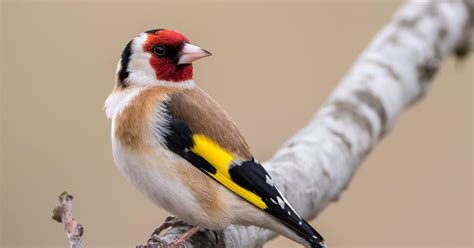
(220, 159)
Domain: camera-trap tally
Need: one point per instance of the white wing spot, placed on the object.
(288, 204)
(269, 181)
(281, 202)
(289, 212)
(300, 223)
(274, 202)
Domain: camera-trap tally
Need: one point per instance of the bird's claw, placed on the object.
(170, 221)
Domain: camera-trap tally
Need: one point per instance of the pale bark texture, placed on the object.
(314, 167)
(63, 214)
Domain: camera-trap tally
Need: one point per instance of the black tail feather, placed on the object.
(312, 236)
(307, 232)
(252, 176)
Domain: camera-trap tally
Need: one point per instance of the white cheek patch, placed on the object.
(140, 70)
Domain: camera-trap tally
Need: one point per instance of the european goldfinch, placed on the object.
(181, 149)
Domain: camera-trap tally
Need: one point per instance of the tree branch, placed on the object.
(315, 166)
(63, 214)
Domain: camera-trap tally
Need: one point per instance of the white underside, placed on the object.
(153, 176)
(152, 173)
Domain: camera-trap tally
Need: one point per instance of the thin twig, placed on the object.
(63, 214)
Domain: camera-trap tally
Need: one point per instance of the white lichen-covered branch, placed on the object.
(315, 166)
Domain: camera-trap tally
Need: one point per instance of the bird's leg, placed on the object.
(186, 235)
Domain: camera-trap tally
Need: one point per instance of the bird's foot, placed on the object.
(170, 221)
(188, 234)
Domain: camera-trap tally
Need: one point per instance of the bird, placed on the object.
(183, 151)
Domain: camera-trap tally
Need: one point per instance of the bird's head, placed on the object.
(158, 57)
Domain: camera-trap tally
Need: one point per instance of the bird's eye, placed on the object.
(159, 50)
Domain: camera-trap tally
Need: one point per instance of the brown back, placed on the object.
(205, 116)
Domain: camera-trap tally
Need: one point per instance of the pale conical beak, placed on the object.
(190, 53)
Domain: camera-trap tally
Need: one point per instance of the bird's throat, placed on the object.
(166, 70)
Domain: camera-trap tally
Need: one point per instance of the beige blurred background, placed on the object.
(274, 63)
